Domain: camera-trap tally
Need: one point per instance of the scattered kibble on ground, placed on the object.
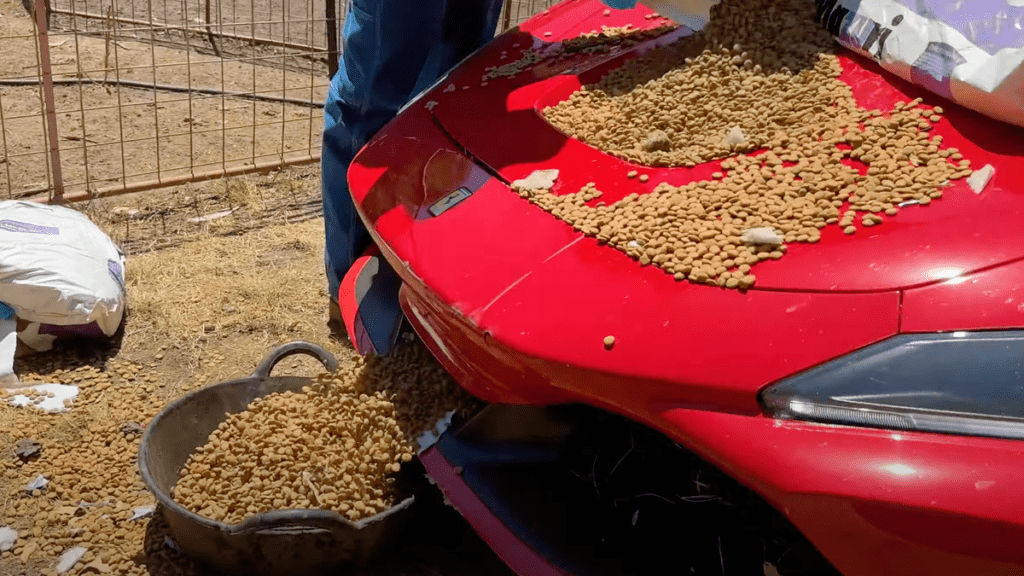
(91, 482)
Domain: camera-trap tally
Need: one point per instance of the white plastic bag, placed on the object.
(971, 52)
(56, 269)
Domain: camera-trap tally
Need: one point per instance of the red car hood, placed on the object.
(500, 124)
(517, 304)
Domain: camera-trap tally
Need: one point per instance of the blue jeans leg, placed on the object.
(391, 50)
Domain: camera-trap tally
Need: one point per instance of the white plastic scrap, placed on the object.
(143, 512)
(430, 437)
(69, 558)
(61, 392)
(735, 136)
(37, 483)
(214, 216)
(537, 180)
(979, 179)
(763, 235)
(8, 536)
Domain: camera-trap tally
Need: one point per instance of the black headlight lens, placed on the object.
(968, 383)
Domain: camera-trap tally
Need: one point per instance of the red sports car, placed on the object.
(860, 410)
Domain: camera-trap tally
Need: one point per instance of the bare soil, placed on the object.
(110, 132)
(295, 28)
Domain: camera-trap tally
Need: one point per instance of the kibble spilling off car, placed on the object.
(858, 408)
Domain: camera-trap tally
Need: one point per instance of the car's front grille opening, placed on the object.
(595, 493)
(651, 504)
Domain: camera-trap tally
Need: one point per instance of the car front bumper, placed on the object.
(873, 502)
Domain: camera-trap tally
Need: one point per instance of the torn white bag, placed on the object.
(58, 272)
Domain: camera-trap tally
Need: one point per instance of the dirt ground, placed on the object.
(299, 23)
(298, 26)
(207, 300)
(111, 132)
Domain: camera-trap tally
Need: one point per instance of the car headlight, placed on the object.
(968, 383)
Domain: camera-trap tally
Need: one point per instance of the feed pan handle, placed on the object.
(295, 521)
(299, 347)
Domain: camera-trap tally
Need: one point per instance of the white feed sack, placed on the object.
(8, 537)
(57, 269)
(735, 136)
(969, 51)
(69, 558)
(46, 397)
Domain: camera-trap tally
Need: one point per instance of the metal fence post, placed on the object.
(506, 17)
(332, 37)
(42, 37)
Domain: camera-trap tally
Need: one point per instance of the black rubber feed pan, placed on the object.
(270, 544)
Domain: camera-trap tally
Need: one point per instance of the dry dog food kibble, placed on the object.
(88, 489)
(592, 42)
(336, 445)
(684, 104)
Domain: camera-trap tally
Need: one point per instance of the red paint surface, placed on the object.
(515, 304)
(991, 299)
(496, 264)
(962, 232)
(876, 502)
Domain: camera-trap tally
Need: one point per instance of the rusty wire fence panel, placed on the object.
(125, 95)
(147, 93)
(24, 166)
(514, 12)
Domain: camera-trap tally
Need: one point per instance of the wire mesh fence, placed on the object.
(100, 97)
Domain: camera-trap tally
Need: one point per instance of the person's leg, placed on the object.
(467, 27)
(385, 47)
(363, 99)
(391, 50)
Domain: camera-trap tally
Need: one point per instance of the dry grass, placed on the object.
(242, 192)
(268, 283)
(212, 308)
(161, 219)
